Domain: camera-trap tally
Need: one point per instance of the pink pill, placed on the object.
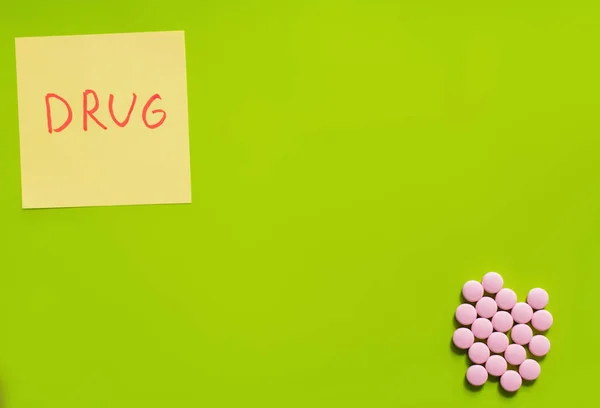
(492, 282)
(482, 328)
(497, 342)
(530, 370)
(472, 291)
(537, 298)
(511, 381)
(486, 307)
(542, 320)
(466, 314)
(496, 365)
(521, 334)
(479, 353)
(502, 321)
(463, 338)
(506, 299)
(522, 313)
(539, 345)
(477, 375)
(515, 354)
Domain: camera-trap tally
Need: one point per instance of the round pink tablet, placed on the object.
(537, 298)
(486, 307)
(539, 345)
(511, 381)
(502, 321)
(496, 365)
(463, 338)
(521, 334)
(497, 342)
(542, 320)
(466, 314)
(515, 354)
(479, 353)
(492, 282)
(522, 313)
(477, 375)
(472, 291)
(530, 370)
(482, 328)
(506, 299)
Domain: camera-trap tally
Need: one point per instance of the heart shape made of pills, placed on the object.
(503, 338)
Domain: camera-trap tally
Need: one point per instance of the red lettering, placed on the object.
(145, 112)
(49, 114)
(111, 99)
(91, 112)
(90, 109)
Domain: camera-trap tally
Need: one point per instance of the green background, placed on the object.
(353, 162)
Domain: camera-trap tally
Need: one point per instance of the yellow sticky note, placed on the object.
(103, 120)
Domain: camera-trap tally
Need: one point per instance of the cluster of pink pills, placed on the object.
(500, 333)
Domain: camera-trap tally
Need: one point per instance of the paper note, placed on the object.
(103, 120)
